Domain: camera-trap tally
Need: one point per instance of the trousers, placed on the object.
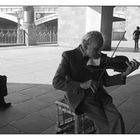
(104, 114)
(136, 44)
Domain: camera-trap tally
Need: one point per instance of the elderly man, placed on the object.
(84, 92)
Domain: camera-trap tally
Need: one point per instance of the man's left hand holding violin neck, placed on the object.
(132, 66)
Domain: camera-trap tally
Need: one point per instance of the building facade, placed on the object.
(65, 25)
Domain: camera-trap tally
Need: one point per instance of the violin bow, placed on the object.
(118, 44)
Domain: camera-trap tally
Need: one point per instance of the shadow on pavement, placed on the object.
(33, 110)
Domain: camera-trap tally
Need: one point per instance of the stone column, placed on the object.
(106, 25)
(28, 25)
(18, 30)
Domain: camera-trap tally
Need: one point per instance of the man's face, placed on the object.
(93, 50)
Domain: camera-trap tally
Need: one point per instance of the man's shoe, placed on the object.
(5, 105)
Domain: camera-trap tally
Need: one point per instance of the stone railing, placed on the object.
(45, 36)
(9, 36)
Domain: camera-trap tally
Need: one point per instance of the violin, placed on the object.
(117, 63)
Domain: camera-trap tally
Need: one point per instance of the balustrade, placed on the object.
(45, 36)
(9, 36)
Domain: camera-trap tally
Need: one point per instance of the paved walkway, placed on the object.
(30, 71)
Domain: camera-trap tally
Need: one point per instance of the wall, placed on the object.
(71, 25)
(93, 19)
(132, 16)
(132, 20)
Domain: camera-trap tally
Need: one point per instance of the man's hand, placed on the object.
(89, 84)
(132, 66)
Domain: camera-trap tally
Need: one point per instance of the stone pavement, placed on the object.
(30, 71)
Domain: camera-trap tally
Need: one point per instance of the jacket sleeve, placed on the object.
(61, 79)
(113, 80)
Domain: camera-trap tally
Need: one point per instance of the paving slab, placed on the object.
(17, 98)
(131, 107)
(10, 115)
(10, 130)
(33, 124)
(49, 112)
(118, 100)
(16, 87)
(136, 129)
(33, 92)
(50, 130)
(130, 119)
(30, 106)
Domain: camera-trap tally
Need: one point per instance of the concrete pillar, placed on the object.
(18, 31)
(106, 25)
(28, 25)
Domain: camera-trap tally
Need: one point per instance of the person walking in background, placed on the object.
(84, 93)
(136, 34)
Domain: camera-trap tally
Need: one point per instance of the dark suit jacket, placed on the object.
(73, 70)
(136, 34)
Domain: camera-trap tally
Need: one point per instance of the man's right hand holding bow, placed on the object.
(90, 84)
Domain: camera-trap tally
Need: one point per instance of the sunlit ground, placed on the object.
(38, 64)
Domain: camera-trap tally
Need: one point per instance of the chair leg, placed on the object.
(76, 124)
(83, 126)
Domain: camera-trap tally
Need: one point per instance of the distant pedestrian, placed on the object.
(136, 34)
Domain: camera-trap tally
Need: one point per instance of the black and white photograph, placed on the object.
(69, 69)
